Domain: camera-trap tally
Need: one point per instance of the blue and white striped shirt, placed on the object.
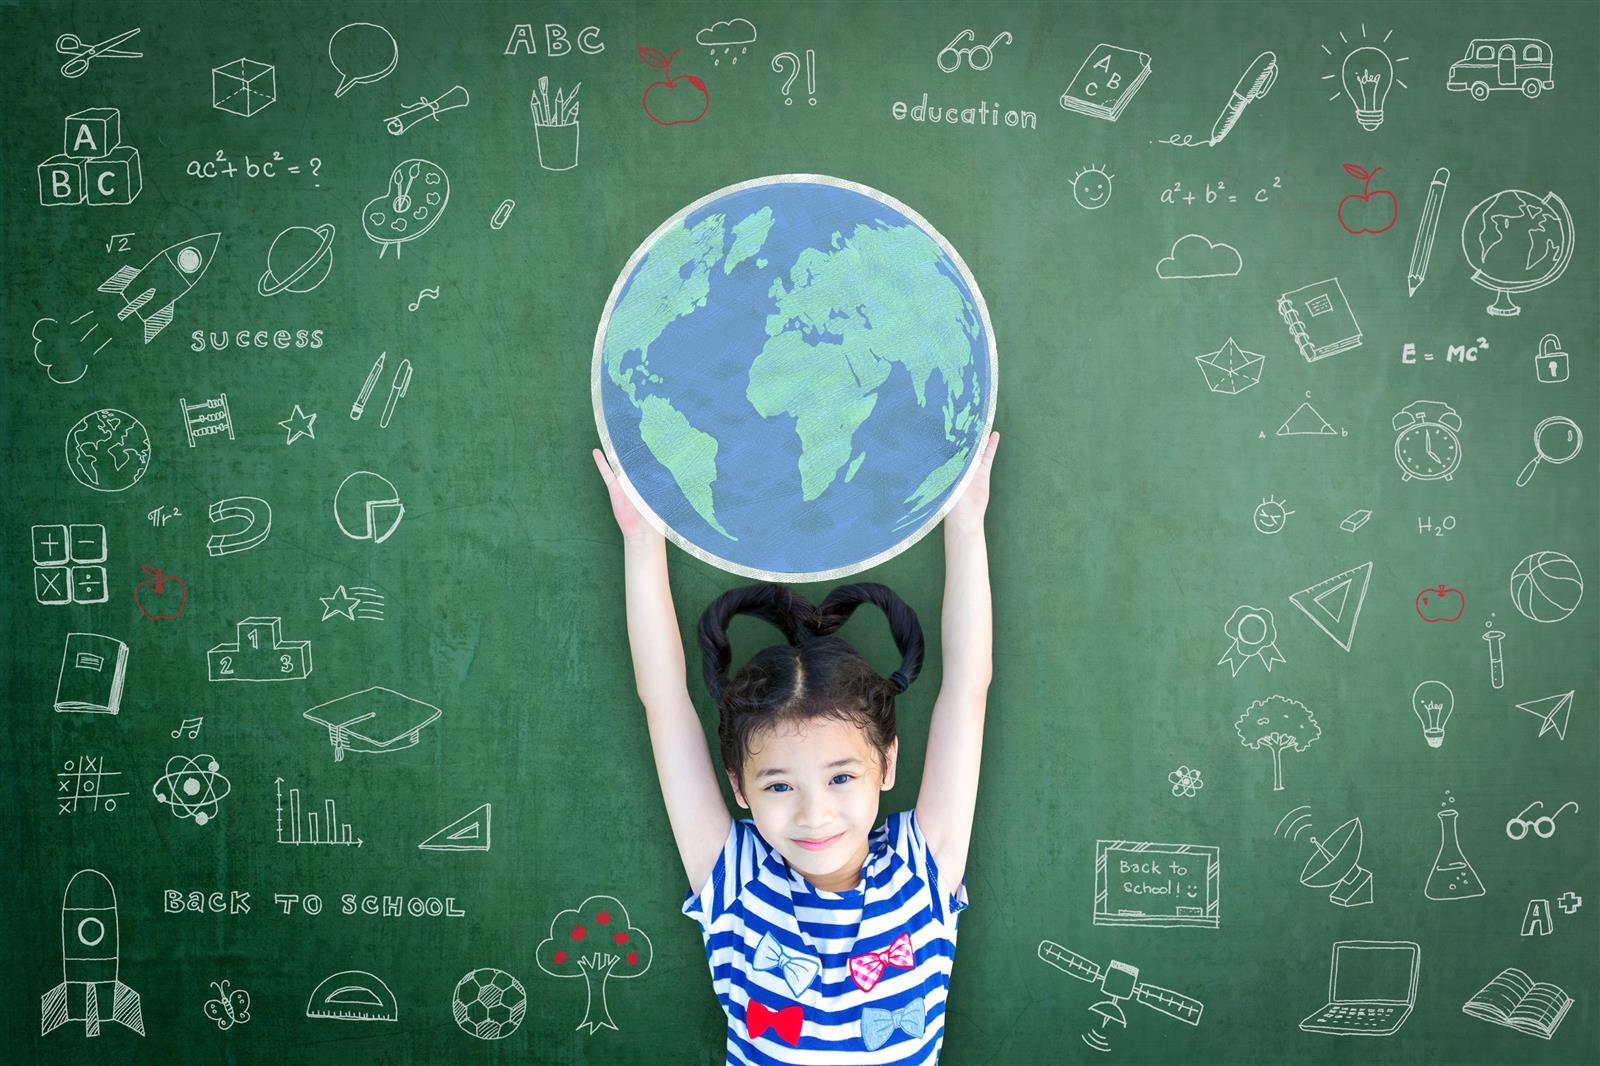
(830, 978)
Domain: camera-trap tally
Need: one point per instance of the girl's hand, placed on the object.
(629, 520)
(969, 509)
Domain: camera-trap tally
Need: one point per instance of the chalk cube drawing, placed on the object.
(114, 178)
(1230, 370)
(243, 87)
(92, 132)
(60, 181)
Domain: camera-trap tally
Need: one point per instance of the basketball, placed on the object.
(1546, 587)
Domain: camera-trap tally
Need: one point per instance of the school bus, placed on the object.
(1495, 63)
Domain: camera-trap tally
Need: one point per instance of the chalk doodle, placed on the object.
(359, 408)
(160, 596)
(975, 56)
(108, 450)
(83, 53)
(1253, 84)
(1185, 781)
(206, 418)
(431, 293)
(1515, 242)
(1091, 187)
(411, 114)
(229, 1008)
(470, 832)
(1516, 1001)
(259, 653)
(678, 105)
(1157, 885)
(192, 787)
(361, 53)
(376, 720)
(299, 424)
(1195, 255)
(419, 191)
(253, 511)
(1210, 195)
(93, 670)
(94, 167)
(1503, 64)
(1550, 364)
(556, 41)
(1366, 76)
(366, 506)
(1277, 724)
(91, 962)
(489, 1004)
(1118, 981)
(67, 564)
(791, 62)
(502, 214)
(1254, 635)
(152, 291)
(1230, 369)
(616, 951)
(83, 784)
(189, 727)
(310, 831)
(353, 996)
(160, 516)
(1335, 862)
(1377, 993)
(1451, 877)
(1546, 587)
(1270, 516)
(397, 391)
(244, 86)
(1553, 712)
(306, 260)
(356, 603)
(1372, 205)
(555, 128)
(1106, 82)
(66, 365)
(727, 34)
(1334, 604)
(221, 165)
(1433, 703)
(1427, 228)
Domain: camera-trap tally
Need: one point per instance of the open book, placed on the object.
(1516, 1001)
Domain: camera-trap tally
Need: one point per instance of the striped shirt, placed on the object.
(830, 978)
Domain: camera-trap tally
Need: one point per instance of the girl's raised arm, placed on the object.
(955, 736)
(699, 816)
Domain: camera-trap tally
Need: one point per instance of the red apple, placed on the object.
(669, 100)
(1368, 196)
(1435, 604)
(160, 596)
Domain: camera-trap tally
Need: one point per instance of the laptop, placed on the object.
(1372, 986)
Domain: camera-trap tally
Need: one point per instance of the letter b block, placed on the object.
(60, 181)
(92, 132)
(115, 178)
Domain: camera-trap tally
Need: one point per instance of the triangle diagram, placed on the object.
(1553, 712)
(470, 832)
(1335, 603)
(1306, 422)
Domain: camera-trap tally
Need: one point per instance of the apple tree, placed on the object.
(1277, 724)
(594, 941)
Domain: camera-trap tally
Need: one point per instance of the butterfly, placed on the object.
(229, 1008)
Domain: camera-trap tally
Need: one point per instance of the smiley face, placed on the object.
(1091, 187)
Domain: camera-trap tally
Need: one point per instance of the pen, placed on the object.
(366, 390)
(1257, 79)
(402, 382)
(1422, 250)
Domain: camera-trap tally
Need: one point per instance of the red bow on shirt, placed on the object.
(784, 1023)
(866, 969)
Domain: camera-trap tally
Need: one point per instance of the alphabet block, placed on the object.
(114, 178)
(60, 181)
(94, 131)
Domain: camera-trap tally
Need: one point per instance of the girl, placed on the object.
(828, 940)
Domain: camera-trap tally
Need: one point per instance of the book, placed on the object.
(1106, 82)
(1320, 320)
(92, 671)
(1516, 1001)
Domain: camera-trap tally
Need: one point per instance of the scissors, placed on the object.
(70, 44)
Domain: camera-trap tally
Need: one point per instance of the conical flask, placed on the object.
(1452, 876)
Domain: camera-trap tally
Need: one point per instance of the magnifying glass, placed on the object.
(1555, 440)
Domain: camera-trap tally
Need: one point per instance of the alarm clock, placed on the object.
(1426, 446)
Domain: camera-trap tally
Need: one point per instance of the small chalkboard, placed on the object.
(1137, 883)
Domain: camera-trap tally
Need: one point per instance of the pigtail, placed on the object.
(841, 603)
(785, 608)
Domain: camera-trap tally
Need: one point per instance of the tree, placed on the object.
(596, 942)
(1277, 723)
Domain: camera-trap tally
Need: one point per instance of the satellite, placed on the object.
(1336, 864)
(1118, 981)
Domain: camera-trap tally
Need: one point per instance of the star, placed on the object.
(341, 603)
(299, 425)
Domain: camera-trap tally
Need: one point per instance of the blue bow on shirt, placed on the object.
(878, 1025)
(798, 970)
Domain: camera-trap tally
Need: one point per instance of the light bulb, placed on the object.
(1432, 702)
(1367, 75)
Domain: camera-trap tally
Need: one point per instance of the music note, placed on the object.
(192, 725)
(431, 293)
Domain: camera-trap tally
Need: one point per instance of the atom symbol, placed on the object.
(1185, 782)
(192, 787)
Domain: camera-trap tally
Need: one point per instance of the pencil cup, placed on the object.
(558, 146)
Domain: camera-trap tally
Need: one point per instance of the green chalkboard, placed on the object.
(387, 732)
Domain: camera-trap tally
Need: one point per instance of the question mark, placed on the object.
(316, 168)
(777, 68)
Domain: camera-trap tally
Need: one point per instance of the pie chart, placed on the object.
(367, 507)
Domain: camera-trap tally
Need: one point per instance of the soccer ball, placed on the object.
(489, 1003)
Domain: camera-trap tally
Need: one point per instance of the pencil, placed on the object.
(1422, 250)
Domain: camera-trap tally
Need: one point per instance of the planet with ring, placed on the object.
(306, 256)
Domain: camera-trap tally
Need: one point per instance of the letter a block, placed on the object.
(92, 132)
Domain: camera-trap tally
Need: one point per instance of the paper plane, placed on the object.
(1230, 369)
(153, 290)
(376, 720)
(1553, 712)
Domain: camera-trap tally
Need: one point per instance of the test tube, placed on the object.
(1497, 671)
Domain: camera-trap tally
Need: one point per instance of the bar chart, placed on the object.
(308, 827)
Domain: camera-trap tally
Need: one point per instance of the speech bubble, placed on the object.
(361, 53)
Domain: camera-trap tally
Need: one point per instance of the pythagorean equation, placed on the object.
(221, 165)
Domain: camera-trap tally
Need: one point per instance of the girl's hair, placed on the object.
(814, 675)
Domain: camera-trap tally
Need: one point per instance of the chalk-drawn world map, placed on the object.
(794, 374)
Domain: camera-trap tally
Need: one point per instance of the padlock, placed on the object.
(1551, 363)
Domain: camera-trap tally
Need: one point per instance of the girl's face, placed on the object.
(812, 787)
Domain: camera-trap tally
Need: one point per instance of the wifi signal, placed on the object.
(1291, 825)
(1096, 1041)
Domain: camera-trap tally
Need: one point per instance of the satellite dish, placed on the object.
(1336, 864)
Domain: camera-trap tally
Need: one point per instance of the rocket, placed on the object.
(151, 291)
(90, 991)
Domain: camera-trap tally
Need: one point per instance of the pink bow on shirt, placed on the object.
(866, 969)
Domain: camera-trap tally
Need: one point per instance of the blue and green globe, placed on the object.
(794, 376)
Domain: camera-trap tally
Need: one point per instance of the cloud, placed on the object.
(728, 32)
(51, 350)
(1194, 256)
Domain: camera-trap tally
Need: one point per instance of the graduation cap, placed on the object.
(376, 720)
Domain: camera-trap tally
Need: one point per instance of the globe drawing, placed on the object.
(108, 450)
(793, 376)
(1515, 241)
